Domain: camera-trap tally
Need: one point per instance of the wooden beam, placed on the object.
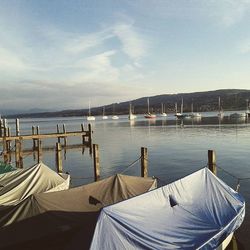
(144, 162)
(212, 161)
(59, 158)
(96, 162)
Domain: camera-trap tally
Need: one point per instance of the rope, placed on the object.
(130, 165)
(234, 176)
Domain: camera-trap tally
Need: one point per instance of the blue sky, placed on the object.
(60, 54)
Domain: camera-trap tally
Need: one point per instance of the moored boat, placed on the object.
(149, 115)
(198, 211)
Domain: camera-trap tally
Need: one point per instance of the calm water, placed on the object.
(175, 149)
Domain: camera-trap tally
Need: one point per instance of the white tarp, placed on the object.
(19, 184)
(196, 212)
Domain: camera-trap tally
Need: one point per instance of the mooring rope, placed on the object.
(130, 165)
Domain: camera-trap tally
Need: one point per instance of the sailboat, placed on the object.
(196, 114)
(114, 117)
(131, 116)
(148, 115)
(163, 113)
(221, 113)
(104, 117)
(177, 114)
(90, 117)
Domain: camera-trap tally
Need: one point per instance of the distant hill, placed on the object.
(231, 99)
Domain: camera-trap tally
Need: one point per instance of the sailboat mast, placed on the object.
(176, 108)
(148, 105)
(162, 108)
(192, 108)
(89, 109)
(181, 105)
(219, 103)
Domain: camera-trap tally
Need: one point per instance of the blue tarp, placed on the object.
(196, 212)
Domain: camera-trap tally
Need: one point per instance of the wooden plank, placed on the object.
(144, 162)
(212, 161)
(44, 136)
(59, 158)
(96, 162)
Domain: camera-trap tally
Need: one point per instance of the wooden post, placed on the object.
(96, 162)
(17, 153)
(5, 156)
(4, 127)
(65, 137)
(17, 127)
(21, 154)
(1, 127)
(9, 145)
(59, 157)
(83, 137)
(58, 132)
(37, 132)
(212, 161)
(90, 138)
(39, 151)
(144, 162)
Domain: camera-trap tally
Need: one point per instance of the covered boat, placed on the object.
(196, 212)
(17, 185)
(65, 219)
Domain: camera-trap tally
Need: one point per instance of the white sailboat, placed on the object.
(90, 117)
(177, 114)
(221, 113)
(148, 115)
(194, 114)
(163, 113)
(131, 116)
(104, 117)
(114, 117)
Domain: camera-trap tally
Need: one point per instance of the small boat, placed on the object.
(163, 113)
(149, 115)
(104, 117)
(19, 184)
(131, 116)
(90, 117)
(65, 219)
(199, 211)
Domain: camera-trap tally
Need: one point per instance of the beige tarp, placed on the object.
(65, 219)
(19, 184)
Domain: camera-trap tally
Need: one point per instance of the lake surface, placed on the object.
(176, 148)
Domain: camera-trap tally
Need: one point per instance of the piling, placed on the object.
(59, 158)
(212, 161)
(96, 162)
(39, 151)
(144, 162)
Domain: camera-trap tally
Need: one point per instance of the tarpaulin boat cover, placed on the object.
(196, 212)
(19, 184)
(56, 214)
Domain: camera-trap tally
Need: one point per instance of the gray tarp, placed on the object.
(53, 216)
(19, 184)
(196, 212)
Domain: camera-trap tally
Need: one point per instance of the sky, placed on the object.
(63, 54)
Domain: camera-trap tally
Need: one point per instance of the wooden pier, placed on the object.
(14, 143)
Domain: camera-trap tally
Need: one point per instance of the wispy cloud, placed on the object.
(132, 44)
